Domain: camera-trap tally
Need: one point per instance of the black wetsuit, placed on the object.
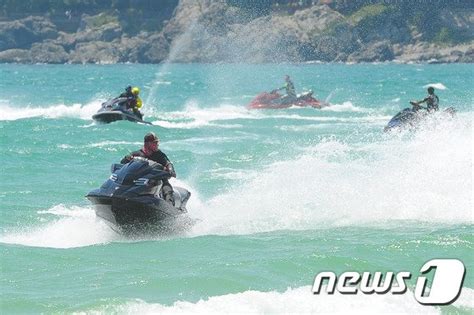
(158, 157)
(127, 94)
(290, 93)
(290, 89)
(432, 102)
(131, 99)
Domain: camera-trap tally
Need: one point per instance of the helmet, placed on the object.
(135, 90)
(128, 89)
(430, 89)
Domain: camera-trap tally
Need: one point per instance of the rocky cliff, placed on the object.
(227, 31)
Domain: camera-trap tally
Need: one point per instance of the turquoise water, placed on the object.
(278, 196)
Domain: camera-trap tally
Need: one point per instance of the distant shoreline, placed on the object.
(396, 62)
(219, 32)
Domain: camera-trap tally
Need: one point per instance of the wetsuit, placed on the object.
(432, 102)
(290, 93)
(133, 102)
(158, 157)
(127, 94)
(290, 89)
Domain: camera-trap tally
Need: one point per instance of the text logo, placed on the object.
(447, 282)
(445, 287)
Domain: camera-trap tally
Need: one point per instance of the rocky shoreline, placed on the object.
(213, 31)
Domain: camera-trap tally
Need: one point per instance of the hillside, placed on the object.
(146, 31)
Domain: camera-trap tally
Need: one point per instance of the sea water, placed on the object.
(277, 195)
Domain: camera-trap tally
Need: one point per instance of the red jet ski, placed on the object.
(274, 100)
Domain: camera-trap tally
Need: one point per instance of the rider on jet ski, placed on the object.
(150, 151)
(134, 101)
(290, 91)
(432, 101)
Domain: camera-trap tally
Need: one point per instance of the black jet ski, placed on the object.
(409, 118)
(116, 109)
(130, 201)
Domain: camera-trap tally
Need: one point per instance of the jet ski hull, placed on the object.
(275, 101)
(116, 109)
(130, 200)
(111, 116)
(409, 119)
(130, 216)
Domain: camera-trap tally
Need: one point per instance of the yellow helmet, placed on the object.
(135, 90)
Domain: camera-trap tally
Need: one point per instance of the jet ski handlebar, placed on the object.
(417, 106)
(151, 163)
(157, 171)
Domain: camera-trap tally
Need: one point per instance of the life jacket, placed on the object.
(139, 103)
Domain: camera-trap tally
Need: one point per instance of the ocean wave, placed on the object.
(292, 301)
(72, 227)
(333, 183)
(193, 116)
(344, 107)
(100, 144)
(55, 111)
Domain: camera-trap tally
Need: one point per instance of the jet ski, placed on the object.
(409, 118)
(274, 100)
(116, 109)
(130, 201)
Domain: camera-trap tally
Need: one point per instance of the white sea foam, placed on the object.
(71, 227)
(292, 301)
(194, 116)
(344, 107)
(101, 144)
(54, 111)
(426, 177)
(465, 300)
(381, 118)
(439, 86)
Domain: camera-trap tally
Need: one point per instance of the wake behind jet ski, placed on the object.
(131, 202)
(410, 118)
(274, 100)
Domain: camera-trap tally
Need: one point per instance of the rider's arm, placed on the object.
(423, 101)
(170, 168)
(130, 157)
(167, 164)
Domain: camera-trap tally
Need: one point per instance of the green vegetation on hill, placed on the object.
(367, 12)
(150, 15)
(133, 15)
(148, 31)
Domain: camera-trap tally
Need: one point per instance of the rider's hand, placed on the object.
(170, 169)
